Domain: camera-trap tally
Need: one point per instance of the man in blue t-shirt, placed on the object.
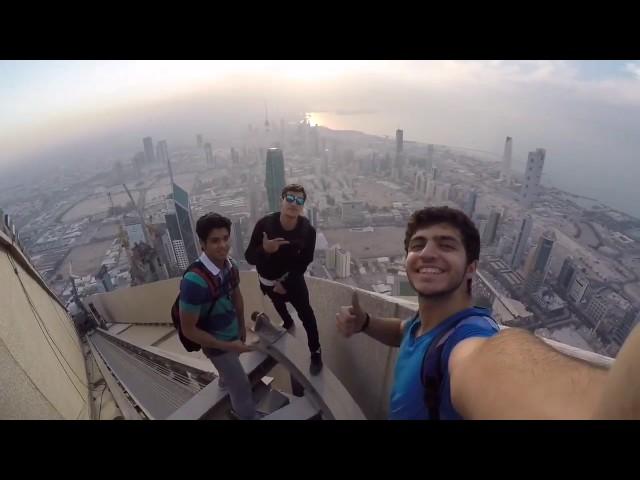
(485, 372)
(443, 247)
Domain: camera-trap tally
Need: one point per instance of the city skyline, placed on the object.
(581, 112)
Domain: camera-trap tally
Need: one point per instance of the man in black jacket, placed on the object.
(281, 247)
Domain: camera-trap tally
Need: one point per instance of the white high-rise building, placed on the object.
(419, 182)
(532, 177)
(506, 160)
(181, 255)
(431, 183)
(442, 192)
(522, 241)
(312, 215)
(343, 264)
(331, 256)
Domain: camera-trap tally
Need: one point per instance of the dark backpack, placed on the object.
(214, 287)
(431, 374)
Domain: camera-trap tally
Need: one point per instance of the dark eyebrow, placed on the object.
(446, 238)
(437, 238)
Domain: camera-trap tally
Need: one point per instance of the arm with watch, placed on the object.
(353, 319)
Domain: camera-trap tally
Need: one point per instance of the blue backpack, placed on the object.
(432, 372)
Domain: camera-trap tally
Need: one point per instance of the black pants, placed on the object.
(298, 295)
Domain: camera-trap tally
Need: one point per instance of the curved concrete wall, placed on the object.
(42, 367)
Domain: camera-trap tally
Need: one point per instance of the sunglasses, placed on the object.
(292, 198)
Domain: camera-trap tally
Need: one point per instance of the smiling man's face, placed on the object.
(436, 261)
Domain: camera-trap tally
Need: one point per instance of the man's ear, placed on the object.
(472, 267)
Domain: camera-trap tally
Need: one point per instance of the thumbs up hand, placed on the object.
(350, 319)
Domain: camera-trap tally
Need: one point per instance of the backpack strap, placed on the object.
(212, 282)
(431, 373)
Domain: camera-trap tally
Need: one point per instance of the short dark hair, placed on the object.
(210, 221)
(429, 216)
(294, 187)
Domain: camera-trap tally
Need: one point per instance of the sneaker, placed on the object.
(316, 363)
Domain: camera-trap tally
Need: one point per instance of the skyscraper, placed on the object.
(312, 215)
(163, 152)
(332, 254)
(209, 154)
(148, 149)
(237, 239)
(399, 141)
(430, 183)
(199, 140)
(420, 180)
(185, 223)
(167, 245)
(343, 264)
(566, 275)
(532, 177)
(537, 272)
(506, 160)
(274, 178)
(470, 203)
(178, 251)
(430, 156)
(489, 234)
(522, 241)
(235, 156)
(442, 192)
(399, 164)
(253, 197)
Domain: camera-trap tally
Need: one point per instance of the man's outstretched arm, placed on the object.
(621, 399)
(516, 375)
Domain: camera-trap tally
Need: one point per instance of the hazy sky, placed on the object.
(586, 114)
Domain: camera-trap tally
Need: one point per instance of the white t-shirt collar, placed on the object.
(210, 265)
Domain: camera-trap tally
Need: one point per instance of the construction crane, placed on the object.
(145, 229)
(137, 276)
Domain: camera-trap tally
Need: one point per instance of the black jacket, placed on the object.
(293, 258)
